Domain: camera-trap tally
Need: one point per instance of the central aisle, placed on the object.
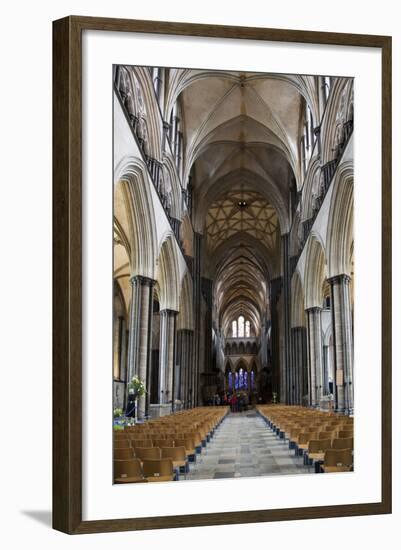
(244, 446)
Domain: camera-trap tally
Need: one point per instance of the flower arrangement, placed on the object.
(117, 413)
(136, 387)
(274, 397)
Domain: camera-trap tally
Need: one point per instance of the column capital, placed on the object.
(298, 328)
(185, 331)
(339, 279)
(142, 280)
(314, 309)
(167, 311)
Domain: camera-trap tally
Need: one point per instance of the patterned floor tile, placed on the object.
(244, 446)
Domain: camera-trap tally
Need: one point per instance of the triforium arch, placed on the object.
(339, 116)
(147, 108)
(172, 184)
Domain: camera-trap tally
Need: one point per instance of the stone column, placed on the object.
(326, 370)
(167, 355)
(275, 290)
(315, 355)
(184, 364)
(207, 291)
(300, 363)
(288, 367)
(343, 342)
(194, 386)
(139, 334)
(123, 357)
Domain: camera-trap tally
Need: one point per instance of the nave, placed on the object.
(244, 446)
(214, 443)
(234, 271)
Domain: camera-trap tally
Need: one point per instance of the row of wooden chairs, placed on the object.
(178, 437)
(177, 454)
(325, 439)
(134, 470)
(199, 420)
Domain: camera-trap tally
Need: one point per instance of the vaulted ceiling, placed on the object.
(241, 133)
(239, 212)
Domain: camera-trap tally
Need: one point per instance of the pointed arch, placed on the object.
(153, 119)
(187, 236)
(228, 367)
(338, 110)
(171, 177)
(186, 317)
(315, 272)
(168, 275)
(135, 215)
(340, 232)
(311, 188)
(297, 302)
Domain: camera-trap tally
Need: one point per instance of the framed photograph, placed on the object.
(222, 275)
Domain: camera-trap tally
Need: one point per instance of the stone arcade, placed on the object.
(233, 238)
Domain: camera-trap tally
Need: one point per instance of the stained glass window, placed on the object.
(247, 329)
(252, 380)
(230, 381)
(236, 381)
(245, 380)
(241, 378)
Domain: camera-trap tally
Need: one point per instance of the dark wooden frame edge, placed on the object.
(67, 275)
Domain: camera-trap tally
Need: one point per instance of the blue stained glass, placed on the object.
(236, 381)
(230, 381)
(241, 378)
(245, 380)
(252, 380)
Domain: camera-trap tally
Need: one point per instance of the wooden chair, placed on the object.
(328, 434)
(196, 437)
(337, 460)
(316, 451)
(146, 453)
(128, 471)
(343, 443)
(120, 434)
(178, 456)
(189, 447)
(303, 441)
(345, 434)
(122, 444)
(124, 454)
(141, 442)
(163, 443)
(158, 470)
(317, 448)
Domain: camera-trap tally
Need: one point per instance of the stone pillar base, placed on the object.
(156, 410)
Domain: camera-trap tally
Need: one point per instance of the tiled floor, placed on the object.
(244, 446)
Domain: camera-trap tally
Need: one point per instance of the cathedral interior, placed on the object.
(233, 240)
